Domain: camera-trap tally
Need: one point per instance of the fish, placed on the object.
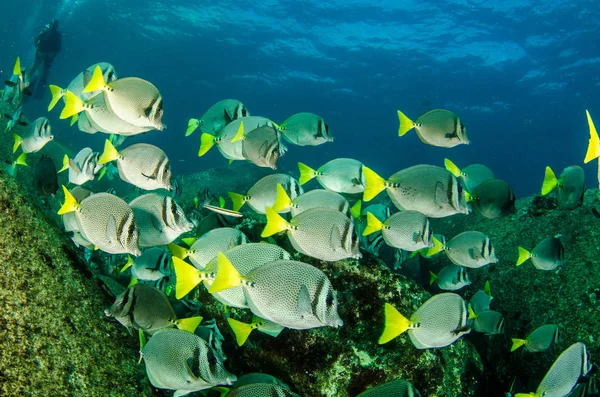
(562, 377)
(260, 390)
(177, 188)
(321, 233)
(479, 302)
(218, 116)
(45, 176)
(469, 249)
(440, 321)
(78, 84)
(395, 388)
(305, 129)
(242, 330)
(471, 176)
(154, 264)
(548, 254)
(17, 87)
(11, 167)
(373, 242)
(182, 361)
(431, 190)
(493, 199)
(318, 198)
(407, 230)
(14, 119)
(539, 340)
(489, 322)
(40, 133)
(262, 146)
(69, 219)
(143, 165)
(229, 140)
(341, 175)
(436, 127)
(293, 294)
(106, 221)
(570, 186)
(132, 99)
(204, 249)
(147, 308)
(160, 219)
(83, 167)
(264, 192)
(451, 278)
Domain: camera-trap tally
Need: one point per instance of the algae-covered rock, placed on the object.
(54, 338)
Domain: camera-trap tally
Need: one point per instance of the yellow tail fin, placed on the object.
(192, 125)
(437, 247)
(472, 314)
(177, 251)
(550, 181)
(275, 223)
(70, 203)
(65, 165)
(516, 343)
(57, 93)
(395, 324)
(432, 278)
(97, 82)
(373, 224)
(593, 150)
(189, 241)
(18, 141)
(227, 275)
(241, 330)
(356, 209)
(74, 119)
(282, 201)
(240, 134)
(21, 160)
(17, 67)
(128, 264)
(206, 142)
(406, 124)
(487, 288)
(523, 256)
(109, 154)
(306, 173)
(73, 106)
(450, 166)
(238, 200)
(188, 277)
(189, 324)
(374, 184)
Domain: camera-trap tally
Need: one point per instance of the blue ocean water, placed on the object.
(519, 73)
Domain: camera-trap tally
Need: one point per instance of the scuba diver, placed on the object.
(47, 45)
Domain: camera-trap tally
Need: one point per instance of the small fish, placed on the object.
(159, 218)
(177, 188)
(45, 176)
(262, 146)
(489, 322)
(11, 167)
(83, 167)
(548, 254)
(17, 87)
(147, 308)
(470, 249)
(407, 230)
(431, 190)
(264, 192)
(40, 133)
(218, 116)
(479, 303)
(154, 264)
(539, 340)
(223, 211)
(570, 186)
(14, 119)
(493, 199)
(395, 388)
(106, 221)
(289, 293)
(562, 377)
(305, 129)
(470, 176)
(434, 324)
(322, 233)
(340, 175)
(437, 127)
(451, 278)
(242, 330)
(182, 361)
(318, 198)
(143, 165)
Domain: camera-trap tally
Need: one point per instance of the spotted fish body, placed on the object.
(102, 119)
(205, 249)
(407, 230)
(234, 150)
(262, 146)
(261, 390)
(218, 116)
(471, 249)
(159, 218)
(145, 166)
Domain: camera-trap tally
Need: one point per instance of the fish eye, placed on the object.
(329, 300)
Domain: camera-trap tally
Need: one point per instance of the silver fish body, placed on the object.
(262, 146)
(84, 166)
(234, 150)
(571, 187)
(262, 390)
(395, 388)
(342, 175)
(548, 254)
(319, 198)
(154, 264)
(218, 116)
(159, 218)
(102, 119)
(305, 129)
(471, 249)
(40, 133)
(438, 127)
(564, 373)
(452, 278)
(493, 199)
(474, 175)
(407, 230)
(145, 166)
(206, 248)
(264, 192)
(489, 322)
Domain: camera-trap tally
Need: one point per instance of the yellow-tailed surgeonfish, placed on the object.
(470, 249)
(471, 176)
(539, 340)
(305, 129)
(218, 116)
(451, 278)
(437, 127)
(264, 193)
(548, 254)
(242, 330)
(407, 230)
(318, 198)
(570, 186)
(340, 175)
(493, 199)
(39, 133)
(395, 388)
